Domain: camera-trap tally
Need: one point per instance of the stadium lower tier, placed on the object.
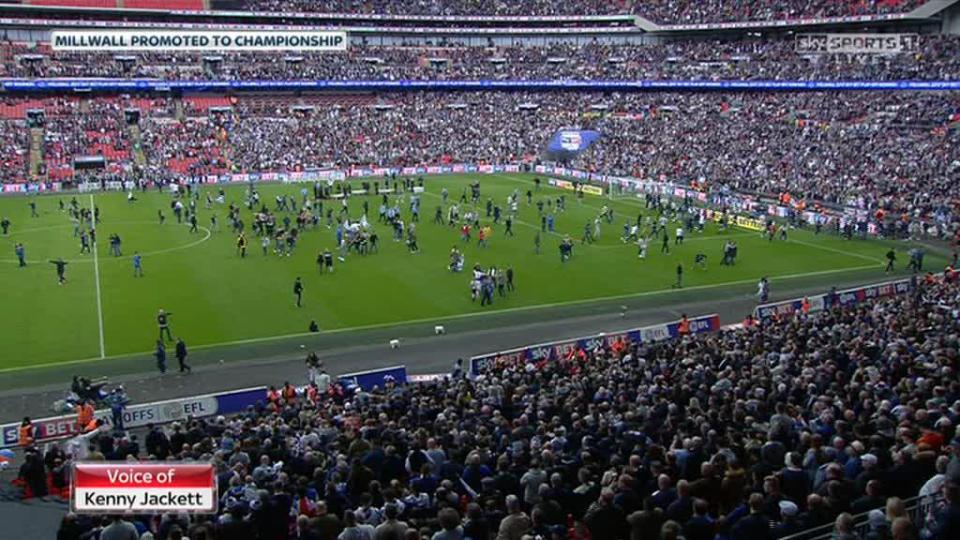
(895, 151)
(764, 431)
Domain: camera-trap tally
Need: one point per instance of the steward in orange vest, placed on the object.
(84, 414)
(683, 327)
(289, 393)
(26, 433)
(92, 425)
(273, 396)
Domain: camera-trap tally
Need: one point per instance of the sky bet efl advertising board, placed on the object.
(123, 487)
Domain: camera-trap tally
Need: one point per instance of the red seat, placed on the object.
(76, 3)
(196, 5)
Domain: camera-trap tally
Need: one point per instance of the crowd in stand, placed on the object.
(812, 145)
(758, 432)
(407, 129)
(193, 146)
(96, 128)
(713, 11)
(891, 151)
(937, 58)
(14, 150)
(662, 11)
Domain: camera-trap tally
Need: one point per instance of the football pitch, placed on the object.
(217, 297)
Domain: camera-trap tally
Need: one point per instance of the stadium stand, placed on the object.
(795, 427)
(14, 145)
(676, 12)
(893, 152)
(936, 58)
(774, 429)
(81, 128)
(75, 3)
(164, 4)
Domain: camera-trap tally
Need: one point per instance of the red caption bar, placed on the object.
(144, 487)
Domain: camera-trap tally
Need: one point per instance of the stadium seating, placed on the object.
(662, 11)
(164, 4)
(769, 429)
(79, 128)
(127, 4)
(937, 58)
(772, 429)
(75, 3)
(14, 145)
(18, 109)
(891, 151)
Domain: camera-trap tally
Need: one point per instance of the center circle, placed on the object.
(68, 243)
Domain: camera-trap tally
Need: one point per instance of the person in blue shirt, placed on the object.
(474, 472)
(137, 265)
(161, 355)
(21, 255)
(118, 401)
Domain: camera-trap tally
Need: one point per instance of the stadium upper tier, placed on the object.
(896, 151)
(660, 11)
(937, 58)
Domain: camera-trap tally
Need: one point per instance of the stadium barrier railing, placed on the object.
(159, 85)
(555, 350)
(846, 297)
(139, 415)
(740, 203)
(919, 510)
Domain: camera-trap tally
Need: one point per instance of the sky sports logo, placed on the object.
(857, 43)
(123, 487)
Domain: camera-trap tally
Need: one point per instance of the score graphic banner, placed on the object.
(143, 487)
(196, 40)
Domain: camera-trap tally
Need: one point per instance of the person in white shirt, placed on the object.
(353, 530)
(642, 248)
(323, 382)
(530, 481)
(932, 487)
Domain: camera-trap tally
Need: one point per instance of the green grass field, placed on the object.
(217, 297)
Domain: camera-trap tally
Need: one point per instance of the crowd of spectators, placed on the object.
(14, 150)
(717, 11)
(661, 11)
(439, 7)
(863, 150)
(895, 151)
(193, 146)
(403, 129)
(751, 433)
(76, 128)
(937, 58)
